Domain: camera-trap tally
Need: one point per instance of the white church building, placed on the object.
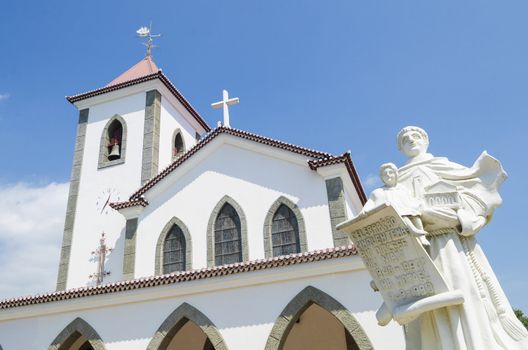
(213, 238)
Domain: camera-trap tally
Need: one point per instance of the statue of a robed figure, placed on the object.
(416, 236)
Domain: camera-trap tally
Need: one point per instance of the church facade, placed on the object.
(180, 236)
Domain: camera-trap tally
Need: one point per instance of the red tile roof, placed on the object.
(180, 277)
(113, 86)
(128, 204)
(144, 67)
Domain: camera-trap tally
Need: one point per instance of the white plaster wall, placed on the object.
(124, 178)
(244, 315)
(254, 180)
(171, 120)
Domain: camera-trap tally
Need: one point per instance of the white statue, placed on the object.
(454, 202)
(399, 197)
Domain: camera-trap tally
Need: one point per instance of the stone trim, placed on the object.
(337, 209)
(174, 134)
(268, 248)
(151, 136)
(308, 296)
(129, 255)
(210, 229)
(158, 266)
(175, 321)
(71, 207)
(103, 146)
(72, 332)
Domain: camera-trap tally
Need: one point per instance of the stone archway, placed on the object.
(300, 303)
(77, 329)
(177, 319)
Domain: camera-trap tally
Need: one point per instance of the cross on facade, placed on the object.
(100, 253)
(226, 101)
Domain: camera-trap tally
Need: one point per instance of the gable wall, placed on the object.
(255, 181)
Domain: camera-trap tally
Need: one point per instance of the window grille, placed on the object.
(227, 240)
(285, 232)
(174, 251)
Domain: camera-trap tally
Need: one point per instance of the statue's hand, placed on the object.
(469, 222)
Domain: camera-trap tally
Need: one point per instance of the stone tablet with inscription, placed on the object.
(402, 270)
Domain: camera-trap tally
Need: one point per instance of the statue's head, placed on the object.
(389, 174)
(413, 141)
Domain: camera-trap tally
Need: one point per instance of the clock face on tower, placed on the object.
(107, 196)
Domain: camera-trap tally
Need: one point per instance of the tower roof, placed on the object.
(144, 67)
(143, 71)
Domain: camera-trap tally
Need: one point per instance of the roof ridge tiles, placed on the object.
(157, 75)
(231, 131)
(181, 276)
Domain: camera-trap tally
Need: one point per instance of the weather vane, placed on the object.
(145, 32)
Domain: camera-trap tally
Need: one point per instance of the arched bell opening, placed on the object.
(115, 137)
(113, 142)
(178, 145)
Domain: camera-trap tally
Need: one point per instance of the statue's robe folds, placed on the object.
(485, 320)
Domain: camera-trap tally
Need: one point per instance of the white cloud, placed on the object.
(371, 182)
(31, 227)
(4, 97)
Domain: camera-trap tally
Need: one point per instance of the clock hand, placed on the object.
(106, 203)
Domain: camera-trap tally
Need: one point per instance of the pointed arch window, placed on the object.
(178, 146)
(113, 142)
(227, 236)
(174, 250)
(115, 135)
(285, 232)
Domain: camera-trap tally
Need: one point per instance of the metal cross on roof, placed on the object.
(226, 101)
(100, 254)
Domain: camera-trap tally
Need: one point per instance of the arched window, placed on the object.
(174, 250)
(115, 137)
(285, 232)
(178, 147)
(113, 142)
(227, 236)
(284, 229)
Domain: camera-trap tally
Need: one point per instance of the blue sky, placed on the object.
(334, 76)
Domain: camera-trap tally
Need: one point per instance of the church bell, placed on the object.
(114, 153)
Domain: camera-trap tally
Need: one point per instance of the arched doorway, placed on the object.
(313, 320)
(316, 328)
(187, 328)
(78, 335)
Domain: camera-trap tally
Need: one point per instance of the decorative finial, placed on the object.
(100, 255)
(226, 101)
(145, 32)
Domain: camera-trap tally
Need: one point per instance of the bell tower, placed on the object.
(127, 131)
